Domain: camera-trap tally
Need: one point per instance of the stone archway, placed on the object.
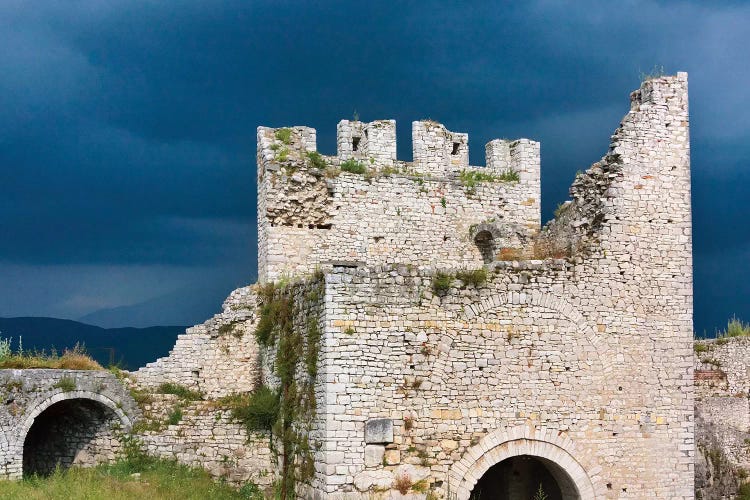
(548, 447)
(71, 428)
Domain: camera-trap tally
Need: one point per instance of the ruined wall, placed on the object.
(722, 412)
(218, 357)
(419, 213)
(207, 436)
(595, 350)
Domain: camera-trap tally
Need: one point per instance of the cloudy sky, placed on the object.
(127, 127)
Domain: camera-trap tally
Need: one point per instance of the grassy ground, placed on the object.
(154, 480)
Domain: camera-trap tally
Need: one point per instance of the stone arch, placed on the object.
(547, 301)
(485, 237)
(94, 411)
(547, 444)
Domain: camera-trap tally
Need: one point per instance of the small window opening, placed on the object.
(486, 244)
(456, 145)
(355, 143)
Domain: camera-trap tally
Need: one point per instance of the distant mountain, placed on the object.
(185, 306)
(129, 347)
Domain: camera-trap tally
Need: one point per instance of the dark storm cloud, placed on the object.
(127, 130)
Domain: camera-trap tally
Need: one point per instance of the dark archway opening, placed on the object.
(71, 432)
(486, 244)
(525, 478)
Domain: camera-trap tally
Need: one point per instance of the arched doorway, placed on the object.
(525, 477)
(75, 431)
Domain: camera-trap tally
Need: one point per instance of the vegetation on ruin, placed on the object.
(180, 391)
(128, 478)
(475, 278)
(67, 384)
(284, 135)
(441, 283)
(258, 411)
(231, 329)
(295, 349)
(70, 359)
(316, 160)
(353, 166)
(471, 178)
(735, 328)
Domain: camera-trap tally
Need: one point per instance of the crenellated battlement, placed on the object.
(366, 207)
(436, 151)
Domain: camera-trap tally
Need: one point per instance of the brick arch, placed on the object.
(548, 444)
(547, 301)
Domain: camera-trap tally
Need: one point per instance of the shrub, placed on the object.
(353, 166)
(402, 483)
(509, 176)
(442, 283)
(475, 278)
(699, 348)
(258, 411)
(316, 160)
(67, 384)
(180, 391)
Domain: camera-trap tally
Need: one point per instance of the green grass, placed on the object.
(316, 160)
(159, 479)
(257, 411)
(284, 135)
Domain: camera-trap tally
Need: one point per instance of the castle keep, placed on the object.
(428, 338)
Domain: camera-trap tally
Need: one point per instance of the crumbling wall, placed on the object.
(722, 411)
(218, 357)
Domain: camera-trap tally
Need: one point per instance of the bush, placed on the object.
(442, 283)
(353, 166)
(402, 483)
(474, 278)
(258, 411)
(180, 391)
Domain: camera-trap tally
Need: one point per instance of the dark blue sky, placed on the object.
(127, 128)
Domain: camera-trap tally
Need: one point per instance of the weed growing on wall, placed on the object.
(180, 391)
(316, 160)
(284, 135)
(441, 283)
(296, 352)
(474, 278)
(353, 166)
(67, 384)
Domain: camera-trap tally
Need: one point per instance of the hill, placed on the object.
(128, 347)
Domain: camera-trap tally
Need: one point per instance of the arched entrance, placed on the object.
(517, 460)
(525, 477)
(75, 431)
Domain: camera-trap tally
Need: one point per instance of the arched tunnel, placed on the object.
(75, 431)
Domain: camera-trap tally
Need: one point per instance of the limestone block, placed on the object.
(392, 457)
(379, 430)
(377, 479)
(374, 455)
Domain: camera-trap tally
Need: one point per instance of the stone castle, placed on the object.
(428, 338)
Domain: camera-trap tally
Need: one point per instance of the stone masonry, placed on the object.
(572, 347)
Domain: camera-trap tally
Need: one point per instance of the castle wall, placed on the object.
(419, 213)
(596, 350)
